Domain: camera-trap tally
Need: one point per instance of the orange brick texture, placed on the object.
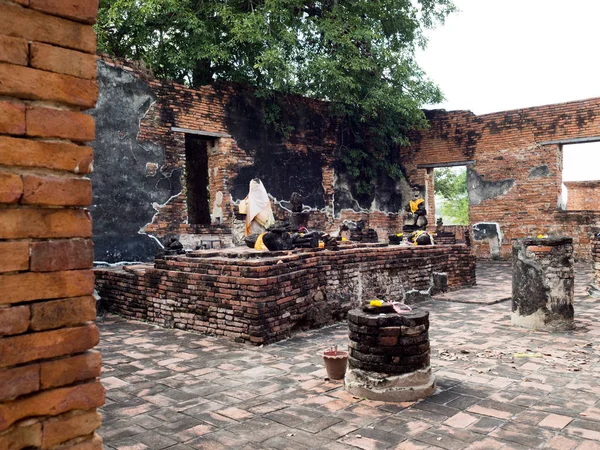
(49, 388)
(205, 109)
(519, 145)
(264, 301)
(583, 195)
(524, 146)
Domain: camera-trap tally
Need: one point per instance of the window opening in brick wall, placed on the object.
(581, 177)
(450, 195)
(196, 165)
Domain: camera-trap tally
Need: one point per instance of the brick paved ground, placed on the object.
(178, 390)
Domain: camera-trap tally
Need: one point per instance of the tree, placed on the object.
(451, 185)
(357, 54)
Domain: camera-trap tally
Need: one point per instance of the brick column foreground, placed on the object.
(543, 283)
(49, 388)
(594, 289)
(389, 355)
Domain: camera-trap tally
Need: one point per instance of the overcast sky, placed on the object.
(495, 55)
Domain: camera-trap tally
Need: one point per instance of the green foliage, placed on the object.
(356, 54)
(451, 185)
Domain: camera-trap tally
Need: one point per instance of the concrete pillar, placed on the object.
(594, 289)
(543, 283)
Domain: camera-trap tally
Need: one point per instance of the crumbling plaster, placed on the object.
(515, 168)
(129, 179)
(515, 162)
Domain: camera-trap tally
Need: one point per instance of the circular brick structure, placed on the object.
(543, 283)
(389, 355)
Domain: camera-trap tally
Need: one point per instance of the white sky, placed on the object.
(496, 55)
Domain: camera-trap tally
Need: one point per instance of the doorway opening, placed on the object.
(581, 177)
(196, 166)
(450, 195)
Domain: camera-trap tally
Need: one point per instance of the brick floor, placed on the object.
(178, 390)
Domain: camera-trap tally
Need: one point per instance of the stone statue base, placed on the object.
(407, 387)
(299, 220)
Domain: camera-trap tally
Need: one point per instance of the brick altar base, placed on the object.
(263, 297)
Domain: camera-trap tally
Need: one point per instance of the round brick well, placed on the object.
(389, 354)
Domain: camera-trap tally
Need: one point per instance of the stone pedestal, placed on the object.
(594, 289)
(389, 355)
(543, 283)
(299, 220)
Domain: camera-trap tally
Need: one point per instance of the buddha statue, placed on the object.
(415, 212)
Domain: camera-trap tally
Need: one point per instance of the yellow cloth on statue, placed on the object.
(258, 206)
(259, 244)
(414, 205)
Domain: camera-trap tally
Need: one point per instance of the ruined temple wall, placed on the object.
(583, 195)
(514, 182)
(141, 172)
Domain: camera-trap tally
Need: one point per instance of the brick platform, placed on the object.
(264, 297)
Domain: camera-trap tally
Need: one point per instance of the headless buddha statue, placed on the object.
(415, 212)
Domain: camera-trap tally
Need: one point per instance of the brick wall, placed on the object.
(523, 146)
(515, 159)
(583, 195)
(49, 388)
(264, 298)
(234, 113)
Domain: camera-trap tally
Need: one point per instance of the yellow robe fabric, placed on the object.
(414, 205)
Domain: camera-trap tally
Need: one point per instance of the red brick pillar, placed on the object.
(594, 289)
(49, 388)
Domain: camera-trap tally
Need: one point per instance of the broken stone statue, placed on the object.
(415, 214)
(257, 207)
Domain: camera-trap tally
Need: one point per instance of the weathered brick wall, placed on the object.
(264, 299)
(49, 388)
(514, 176)
(515, 180)
(235, 113)
(583, 195)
